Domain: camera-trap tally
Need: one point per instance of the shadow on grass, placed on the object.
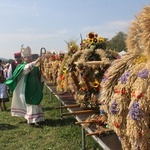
(7, 127)
(48, 108)
(59, 122)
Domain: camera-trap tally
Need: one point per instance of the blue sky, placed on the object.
(49, 23)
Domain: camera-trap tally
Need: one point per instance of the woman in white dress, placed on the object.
(3, 88)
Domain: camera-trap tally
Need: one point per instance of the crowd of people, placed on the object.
(18, 78)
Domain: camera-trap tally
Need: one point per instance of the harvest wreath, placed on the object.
(126, 92)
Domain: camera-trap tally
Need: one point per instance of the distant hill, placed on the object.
(4, 59)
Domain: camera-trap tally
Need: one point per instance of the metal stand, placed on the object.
(50, 97)
(61, 117)
(83, 138)
(45, 89)
(110, 142)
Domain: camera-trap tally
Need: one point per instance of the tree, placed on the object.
(118, 43)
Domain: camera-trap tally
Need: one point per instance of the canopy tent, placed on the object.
(122, 52)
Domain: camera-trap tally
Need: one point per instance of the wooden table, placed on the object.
(107, 142)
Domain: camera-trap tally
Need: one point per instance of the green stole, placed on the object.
(32, 84)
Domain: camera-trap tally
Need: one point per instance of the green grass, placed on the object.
(55, 134)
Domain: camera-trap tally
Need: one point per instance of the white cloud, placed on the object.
(108, 29)
(19, 8)
(31, 36)
(117, 25)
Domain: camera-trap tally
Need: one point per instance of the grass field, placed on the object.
(55, 134)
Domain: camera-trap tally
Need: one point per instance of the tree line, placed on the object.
(118, 42)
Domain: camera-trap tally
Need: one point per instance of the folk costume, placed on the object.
(27, 91)
(13, 63)
(3, 88)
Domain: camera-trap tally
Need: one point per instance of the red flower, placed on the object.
(140, 95)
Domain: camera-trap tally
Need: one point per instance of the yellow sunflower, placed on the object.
(95, 84)
(101, 39)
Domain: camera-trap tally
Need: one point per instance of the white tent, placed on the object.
(122, 52)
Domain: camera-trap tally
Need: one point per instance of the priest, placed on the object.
(26, 86)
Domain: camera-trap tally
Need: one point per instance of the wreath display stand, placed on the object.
(115, 91)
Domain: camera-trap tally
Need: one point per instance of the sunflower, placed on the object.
(94, 40)
(84, 41)
(95, 84)
(141, 59)
(89, 40)
(64, 71)
(96, 35)
(101, 39)
(91, 35)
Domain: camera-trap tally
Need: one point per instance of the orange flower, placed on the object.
(123, 91)
(133, 94)
(116, 125)
(83, 88)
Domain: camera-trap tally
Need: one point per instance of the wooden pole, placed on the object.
(82, 122)
(99, 132)
(68, 106)
(93, 133)
(80, 112)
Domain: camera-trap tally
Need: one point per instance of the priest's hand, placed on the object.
(39, 59)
